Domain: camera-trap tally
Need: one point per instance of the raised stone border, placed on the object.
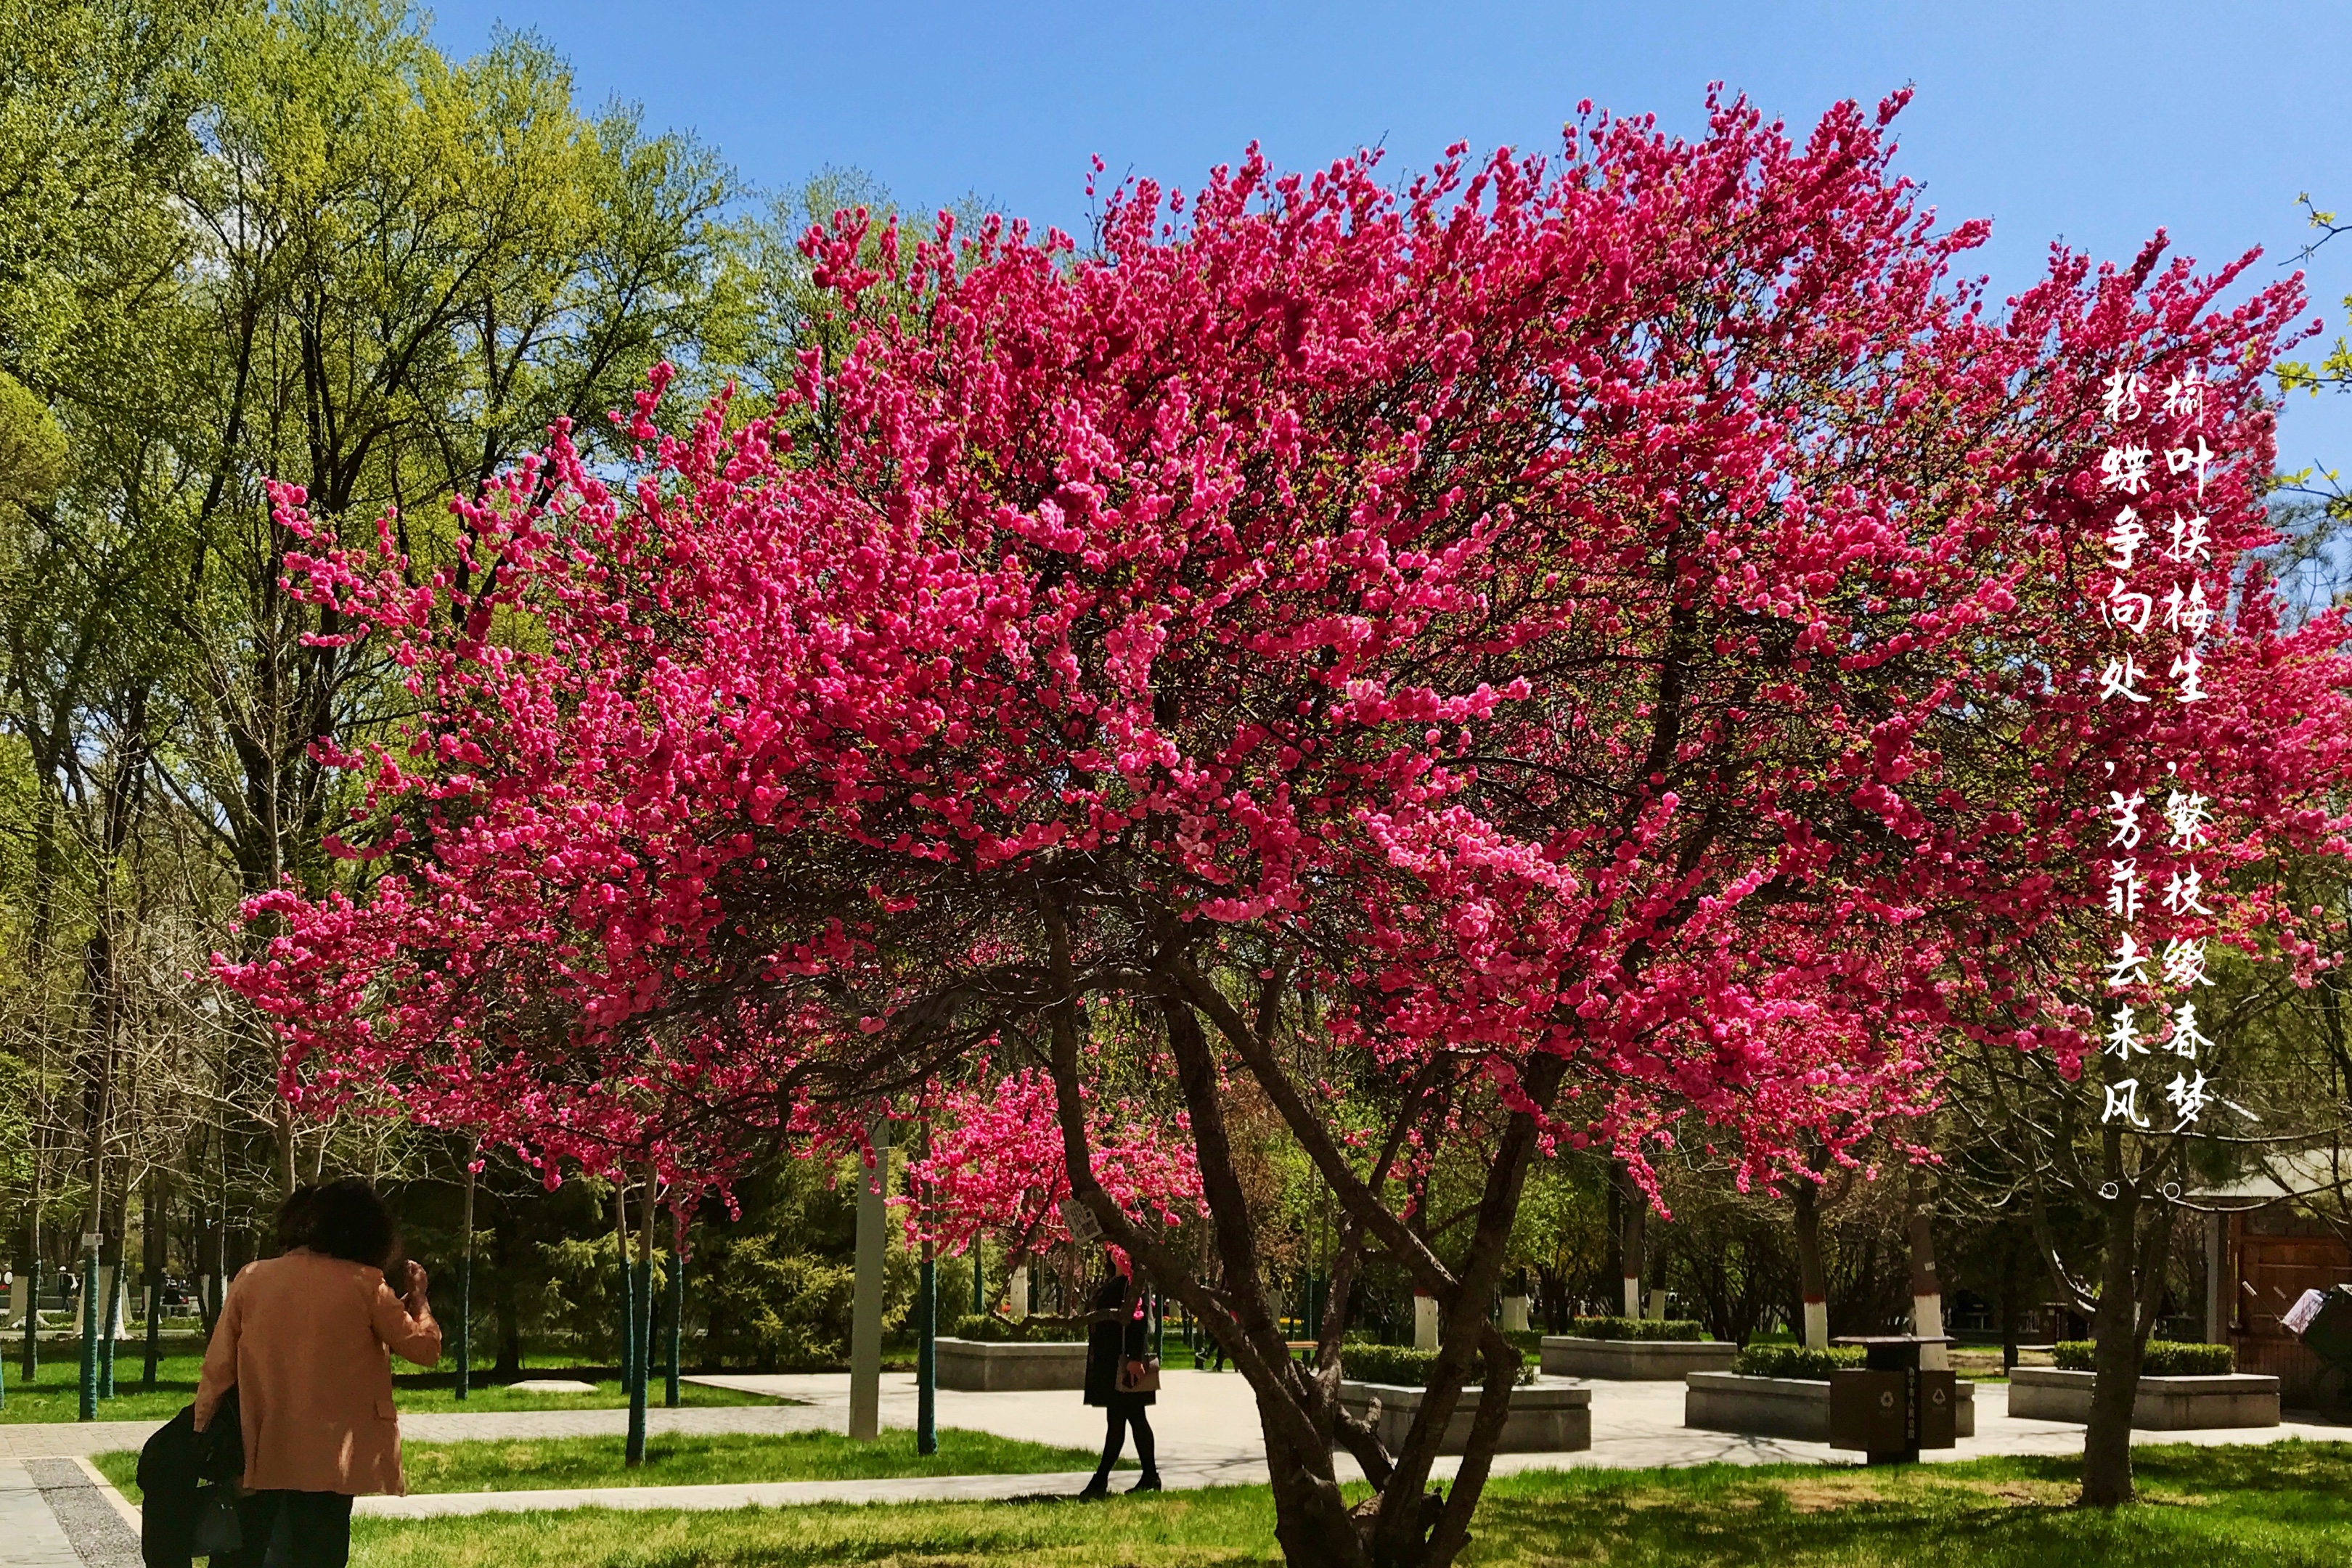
(1635, 1360)
(1793, 1408)
(2164, 1404)
(1545, 1418)
(983, 1366)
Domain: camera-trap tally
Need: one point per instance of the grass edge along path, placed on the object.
(552, 1464)
(2282, 1505)
(56, 1396)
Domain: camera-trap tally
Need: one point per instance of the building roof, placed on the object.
(2294, 1174)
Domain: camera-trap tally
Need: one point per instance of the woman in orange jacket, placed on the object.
(306, 1339)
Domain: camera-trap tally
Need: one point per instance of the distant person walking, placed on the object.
(306, 1338)
(1120, 1376)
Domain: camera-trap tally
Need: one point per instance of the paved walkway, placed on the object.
(1206, 1424)
(58, 1513)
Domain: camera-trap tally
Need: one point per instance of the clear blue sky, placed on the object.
(2093, 122)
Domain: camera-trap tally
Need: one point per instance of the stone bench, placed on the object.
(2164, 1404)
(1635, 1360)
(1545, 1418)
(1793, 1408)
(982, 1366)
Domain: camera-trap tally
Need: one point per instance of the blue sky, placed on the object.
(2091, 122)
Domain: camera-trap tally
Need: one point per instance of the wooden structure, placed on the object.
(2268, 1246)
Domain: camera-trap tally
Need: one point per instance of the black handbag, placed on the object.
(190, 1481)
(217, 1532)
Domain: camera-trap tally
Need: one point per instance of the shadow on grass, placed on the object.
(2277, 1506)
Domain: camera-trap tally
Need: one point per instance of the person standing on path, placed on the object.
(306, 1339)
(1117, 1342)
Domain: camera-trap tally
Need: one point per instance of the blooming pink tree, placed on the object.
(1510, 658)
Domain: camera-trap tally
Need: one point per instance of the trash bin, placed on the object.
(2329, 1335)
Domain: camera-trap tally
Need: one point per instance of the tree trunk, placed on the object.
(2009, 1306)
(1926, 1291)
(2106, 1440)
(287, 1180)
(1812, 1280)
(33, 1277)
(154, 1238)
(1631, 1242)
(502, 1295)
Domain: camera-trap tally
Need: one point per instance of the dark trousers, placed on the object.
(293, 1529)
(1123, 1412)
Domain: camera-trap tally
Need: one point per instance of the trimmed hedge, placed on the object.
(2165, 1358)
(990, 1329)
(1402, 1366)
(1796, 1360)
(1677, 1330)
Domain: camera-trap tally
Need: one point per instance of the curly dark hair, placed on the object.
(345, 1219)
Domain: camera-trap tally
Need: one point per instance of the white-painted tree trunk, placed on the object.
(1817, 1325)
(1424, 1322)
(1927, 1323)
(1515, 1314)
(1016, 1286)
(1657, 1306)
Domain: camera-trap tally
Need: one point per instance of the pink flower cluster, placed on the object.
(996, 1168)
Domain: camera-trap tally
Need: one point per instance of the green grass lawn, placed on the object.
(545, 1463)
(2285, 1505)
(58, 1395)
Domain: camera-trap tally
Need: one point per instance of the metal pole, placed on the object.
(676, 1301)
(89, 1326)
(641, 1311)
(866, 1311)
(621, 1258)
(33, 1313)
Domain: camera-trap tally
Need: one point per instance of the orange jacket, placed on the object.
(306, 1340)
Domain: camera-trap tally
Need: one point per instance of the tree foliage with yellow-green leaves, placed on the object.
(243, 242)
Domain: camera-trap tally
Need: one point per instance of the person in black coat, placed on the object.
(1118, 1340)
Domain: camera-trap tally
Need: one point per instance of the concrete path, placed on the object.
(30, 1535)
(60, 1513)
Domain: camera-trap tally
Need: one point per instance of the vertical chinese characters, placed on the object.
(2156, 827)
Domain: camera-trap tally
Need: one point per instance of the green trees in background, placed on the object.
(242, 243)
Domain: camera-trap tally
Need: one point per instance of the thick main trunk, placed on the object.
(2106, 1440)
(1311, 1521)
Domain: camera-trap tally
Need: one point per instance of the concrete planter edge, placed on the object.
(987, 1366)
(2204, 1402)
(1634, 1360)
(1797, 1408)
(1545, 1418)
